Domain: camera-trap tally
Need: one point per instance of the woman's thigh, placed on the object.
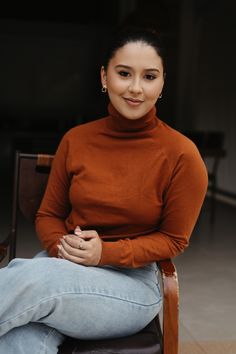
(86, 302)
(110, 302)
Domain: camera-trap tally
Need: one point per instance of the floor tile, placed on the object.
(207, 280)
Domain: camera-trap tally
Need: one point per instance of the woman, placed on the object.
(124, 192)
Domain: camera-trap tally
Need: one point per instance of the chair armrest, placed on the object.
(4, 246)
(170, 306)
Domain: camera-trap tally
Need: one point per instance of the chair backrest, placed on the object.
(209, 143)
(30, 179)
(33, 176)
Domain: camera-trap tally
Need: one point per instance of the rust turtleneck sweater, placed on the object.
(139, 183)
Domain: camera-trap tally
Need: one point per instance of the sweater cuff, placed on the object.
(116, 253)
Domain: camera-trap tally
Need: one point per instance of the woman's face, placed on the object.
(134, 79)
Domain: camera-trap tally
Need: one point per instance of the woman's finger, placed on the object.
(74, 250)
(69, 257)
(75, 242)
(88, 234)
(78, 231)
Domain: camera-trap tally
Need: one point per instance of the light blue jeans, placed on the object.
(43, 299)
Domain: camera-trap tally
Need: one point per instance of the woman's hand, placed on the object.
(84, 247)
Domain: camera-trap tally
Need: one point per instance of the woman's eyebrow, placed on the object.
(152, 69)
(121, 66)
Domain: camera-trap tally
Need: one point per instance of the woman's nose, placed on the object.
(135, 86)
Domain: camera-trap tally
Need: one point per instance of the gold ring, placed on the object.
(80, 246)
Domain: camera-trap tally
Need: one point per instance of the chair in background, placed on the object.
(30, 179)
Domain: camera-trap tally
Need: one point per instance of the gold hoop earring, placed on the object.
(104, 89)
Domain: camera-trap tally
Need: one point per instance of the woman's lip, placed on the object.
(133, 101)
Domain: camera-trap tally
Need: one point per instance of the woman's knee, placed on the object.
(36, 272)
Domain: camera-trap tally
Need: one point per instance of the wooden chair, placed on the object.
(30, 179)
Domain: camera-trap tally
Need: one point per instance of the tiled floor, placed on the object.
(206, 275)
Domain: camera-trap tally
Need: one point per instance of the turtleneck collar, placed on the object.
(118, 123)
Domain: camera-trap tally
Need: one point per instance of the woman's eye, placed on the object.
(124, 73)
(150, 77)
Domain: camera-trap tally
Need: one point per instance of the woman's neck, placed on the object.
(119, 123)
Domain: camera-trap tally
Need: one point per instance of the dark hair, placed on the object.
(130, 34)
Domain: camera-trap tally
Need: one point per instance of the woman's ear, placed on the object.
(164, 78)
(103, 76)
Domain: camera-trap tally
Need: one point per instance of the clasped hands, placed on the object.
(82, 247)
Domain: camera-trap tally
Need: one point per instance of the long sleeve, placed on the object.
(55, 206)
(183, 199)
